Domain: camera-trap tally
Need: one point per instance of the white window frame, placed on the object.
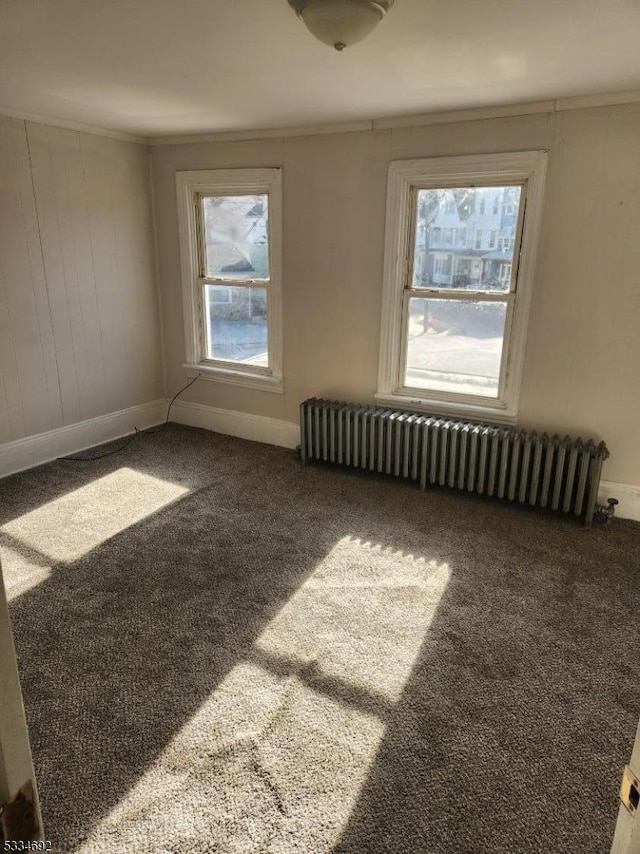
(406, 177)
(190, 187)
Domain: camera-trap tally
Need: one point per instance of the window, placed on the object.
(482, 206)
(496, 204)
(441, 265)
(222, 295)
(230, 246)
(454, 342)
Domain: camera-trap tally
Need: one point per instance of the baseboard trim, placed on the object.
(35, 450)
(257, 428)
(627, 495)
(286, 434)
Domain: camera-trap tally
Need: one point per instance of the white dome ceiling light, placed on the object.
(341, 23)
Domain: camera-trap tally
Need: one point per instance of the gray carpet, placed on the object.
(222, 651)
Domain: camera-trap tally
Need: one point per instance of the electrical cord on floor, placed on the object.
(136, 434)
(173, 400)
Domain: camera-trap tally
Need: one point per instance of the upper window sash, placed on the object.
(199, 199)
(412, 214)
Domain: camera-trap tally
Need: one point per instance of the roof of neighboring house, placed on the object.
(256, 211)
(241, 266)
(228, 258)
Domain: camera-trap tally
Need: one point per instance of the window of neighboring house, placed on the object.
(505, 273)
(482, 205)
(492, 240)
(458, 346)
(231, 248)
(496, 204)
(222, 295)
(478, 241)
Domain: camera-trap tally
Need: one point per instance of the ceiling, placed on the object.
(155, 67)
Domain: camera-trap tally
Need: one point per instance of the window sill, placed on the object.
(260, 382)
(491, 415)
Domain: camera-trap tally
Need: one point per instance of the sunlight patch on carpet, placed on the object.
(361, 617)
(263, 759)
(70, 526)
(282, 748)
(20, 572)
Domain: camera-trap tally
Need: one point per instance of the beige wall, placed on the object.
(79, 327)
(583, 350)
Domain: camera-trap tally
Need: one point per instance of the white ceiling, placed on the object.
(156, 67)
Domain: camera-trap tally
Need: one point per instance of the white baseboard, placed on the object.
(44, 447)
(271, 431)
(286, 434)
(35, 450)
(627, 495)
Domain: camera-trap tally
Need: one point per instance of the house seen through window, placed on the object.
(453, 325)
(455, 343)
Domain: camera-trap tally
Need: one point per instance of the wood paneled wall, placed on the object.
(79, 325)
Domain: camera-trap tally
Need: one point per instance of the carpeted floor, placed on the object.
(223, 651)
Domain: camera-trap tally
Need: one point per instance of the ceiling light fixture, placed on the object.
(341, 23)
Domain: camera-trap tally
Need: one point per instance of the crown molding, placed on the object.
(266, 133)
(612, 99)
(470, 114)
(579, 102)
(467, 115)
(52, 121)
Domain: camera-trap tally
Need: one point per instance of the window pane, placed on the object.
(484, 221)
(236, 238)
(237, 324)
(455, 345)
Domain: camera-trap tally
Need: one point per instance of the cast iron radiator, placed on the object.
(532, 468)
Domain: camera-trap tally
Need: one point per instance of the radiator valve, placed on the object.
(607, 512)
